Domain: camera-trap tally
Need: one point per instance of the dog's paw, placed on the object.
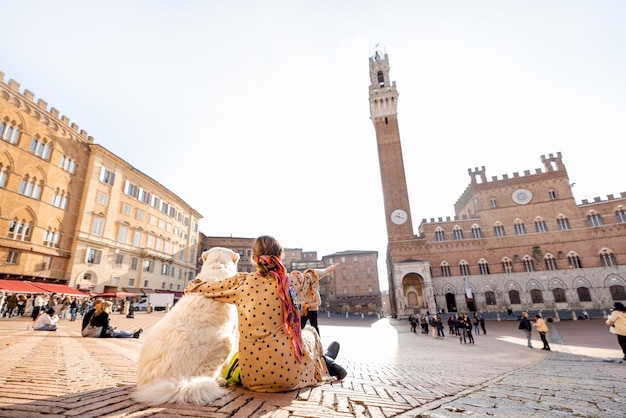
(221, 381)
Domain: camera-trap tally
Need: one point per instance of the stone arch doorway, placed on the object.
(413, 292)
(450, 302)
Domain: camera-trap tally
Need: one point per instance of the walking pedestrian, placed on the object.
(525, 325)
(451, 328)
(475, 323)
(481, 320)
(468, 329)
(459, 325)
(73, 308)
(438, 324)
(617, 323)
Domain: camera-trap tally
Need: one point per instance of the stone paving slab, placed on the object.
(391, 373)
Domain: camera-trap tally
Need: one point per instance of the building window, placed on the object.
(148, 266)
(51, 238)
(574, 260)
(559, 295)
(126, 209)
(464, 268)
(490, 298)
(617, 292)
(131, 282)
(40, 148)
(552, 195)
(31, 187)
(146, 283)
(119, 260)
(93, 256)
(137, 235)
(134, 261)
(620, 215)
(19, 230)
(131, 189)
(507, 265)
(540, 225)
(445, 269)
(68, 164)
(9, 132)
(440, 234)
(563, 223)
(483, 266)
(607, 258)
(458, 233)
(493, 203)
(107, 176)
(536, 296)
(97, 225)
(519, 227)
(4, 174)
(529, 264)
(122, 234)
(59, 199)
(476, 232)
(139, 214)
(514, 297)
(594, 219)
(13, 257)
(498, 230)
(583, 294)
(550, 262)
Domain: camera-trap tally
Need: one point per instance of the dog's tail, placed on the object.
(198, 390)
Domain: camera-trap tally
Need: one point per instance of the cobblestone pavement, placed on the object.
(392, 372)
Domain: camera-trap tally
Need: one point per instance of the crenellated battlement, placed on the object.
(609, 198)
(26, 98)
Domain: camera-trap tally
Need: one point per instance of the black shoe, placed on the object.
(335, 369)
(137, 333)
(332, 350)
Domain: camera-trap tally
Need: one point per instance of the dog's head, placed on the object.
(218, 263)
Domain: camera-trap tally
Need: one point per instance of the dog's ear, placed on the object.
(235, 257)
(204, 256)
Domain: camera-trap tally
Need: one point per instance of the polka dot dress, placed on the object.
(266, 357)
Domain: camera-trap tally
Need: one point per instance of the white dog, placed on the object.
(183, 355)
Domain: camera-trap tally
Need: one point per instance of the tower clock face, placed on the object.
(399, 217)
(522, 196)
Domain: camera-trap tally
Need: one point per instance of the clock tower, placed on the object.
(383, 98)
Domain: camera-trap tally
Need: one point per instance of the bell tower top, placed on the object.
(382, 91)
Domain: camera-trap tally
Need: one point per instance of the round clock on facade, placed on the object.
(399, 217)
(522, 196)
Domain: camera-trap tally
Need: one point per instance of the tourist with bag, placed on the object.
(617, 323)
(99, 326)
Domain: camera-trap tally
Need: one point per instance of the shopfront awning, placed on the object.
(60, 289)
(134, 290)
(146, 291)
(19, 286)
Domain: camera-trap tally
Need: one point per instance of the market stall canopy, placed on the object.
(19, 286)
(134, 290)
(59, 289)
(118, 295)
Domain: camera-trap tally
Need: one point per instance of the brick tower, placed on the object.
(383, 98)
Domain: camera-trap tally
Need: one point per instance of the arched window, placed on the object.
(4, 175)
(440, 234)
(594, 219)
(536, 296)
(9, 132)
(31, 187)
(563, 223)
(507, 265)
(445, 269)
(617, 292)
(490, 298)
(381, 79)
(483, 266)
(583, 294)
(559, 295)
(540, 225)
(464, 268)
(529, 264)
(607, 258)
(519, 227)
(476, 231)
(51, 237)
(514, 297)
(550, 262)
(574, 260)
(458, 233)
(620, 215)
(498, 230)
(19, 230)
(40, 147)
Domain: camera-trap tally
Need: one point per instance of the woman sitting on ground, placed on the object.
(101, 317)
(275, 354)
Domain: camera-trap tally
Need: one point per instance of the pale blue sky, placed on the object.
(266, 102)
